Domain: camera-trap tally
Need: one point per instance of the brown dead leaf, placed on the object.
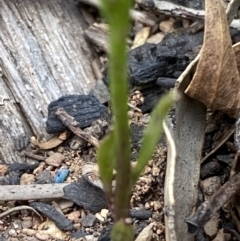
(141, 37)
(53, 142)
(216, 82)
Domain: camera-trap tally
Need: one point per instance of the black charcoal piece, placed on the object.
(22, 167)
(167, 59)
(84, 108)
(86, 195)
(225, 159)
(60, 220)
(78, 234)
(88, 220)
(105, 234)
(13, 178)
(140, 214)
(44, 177)
(166, 82)
(210, 169)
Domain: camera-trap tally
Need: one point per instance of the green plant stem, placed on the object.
(117, 15)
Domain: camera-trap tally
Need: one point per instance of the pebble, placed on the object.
(27, 179)
(104, 213)
(211, 227)
(55, 159)
(29, 232)
(99, 217)
(156, 38)
(157, 205)
(88, 221)
(166, 26)
(211, 185)
(3, 169)
(64, 204)
(185, 23)
(12, 232)
(42, 236)
(74, 215)
(155, 171)
(27, 223)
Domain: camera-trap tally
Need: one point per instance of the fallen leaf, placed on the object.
(146, 233)
(216, 82)
(53, 142)
(141, 37)
(50, 228)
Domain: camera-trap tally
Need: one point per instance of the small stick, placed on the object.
(223, 141)
(33, 156)
(72, 124)
(32, 192)
(19, 208)
(214, 203)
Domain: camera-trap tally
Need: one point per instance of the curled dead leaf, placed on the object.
(53, 142)
(216, 82)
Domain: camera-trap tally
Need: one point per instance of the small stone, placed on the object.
(74, 215)
(155, 171)
(12, 232)
(211, 185)
(55, 159)
(64, 204)
(3, 169)
(27, 223)
(185, 23)
(99, 217)
(29, 232)
(60, 149)
(27, 179)
(42, 236)
(166, 26)
(147, 205)
(156, 38)
(88, 221)
(157, 205)
(211, 227)
(104, 213)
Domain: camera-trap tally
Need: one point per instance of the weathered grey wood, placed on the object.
(31, 192)
(44, 55)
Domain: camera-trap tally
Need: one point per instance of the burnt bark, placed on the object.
(44, 56)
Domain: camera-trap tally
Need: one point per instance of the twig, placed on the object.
(219, 144)
(213, 204)
(31, 192)
(232, 9)
(19, 208)
(33, 156)
(72, 124)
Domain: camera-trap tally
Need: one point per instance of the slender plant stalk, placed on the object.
(117, 14)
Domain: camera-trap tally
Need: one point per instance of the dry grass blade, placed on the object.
(216, 82)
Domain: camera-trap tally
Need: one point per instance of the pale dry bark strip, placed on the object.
(31, 192)
(44, 56)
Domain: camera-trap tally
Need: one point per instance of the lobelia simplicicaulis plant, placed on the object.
(114, 151)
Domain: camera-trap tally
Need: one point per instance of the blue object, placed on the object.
(61, 175)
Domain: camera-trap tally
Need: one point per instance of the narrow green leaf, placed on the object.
(122, 231)
(153, 133)
(105, 157)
